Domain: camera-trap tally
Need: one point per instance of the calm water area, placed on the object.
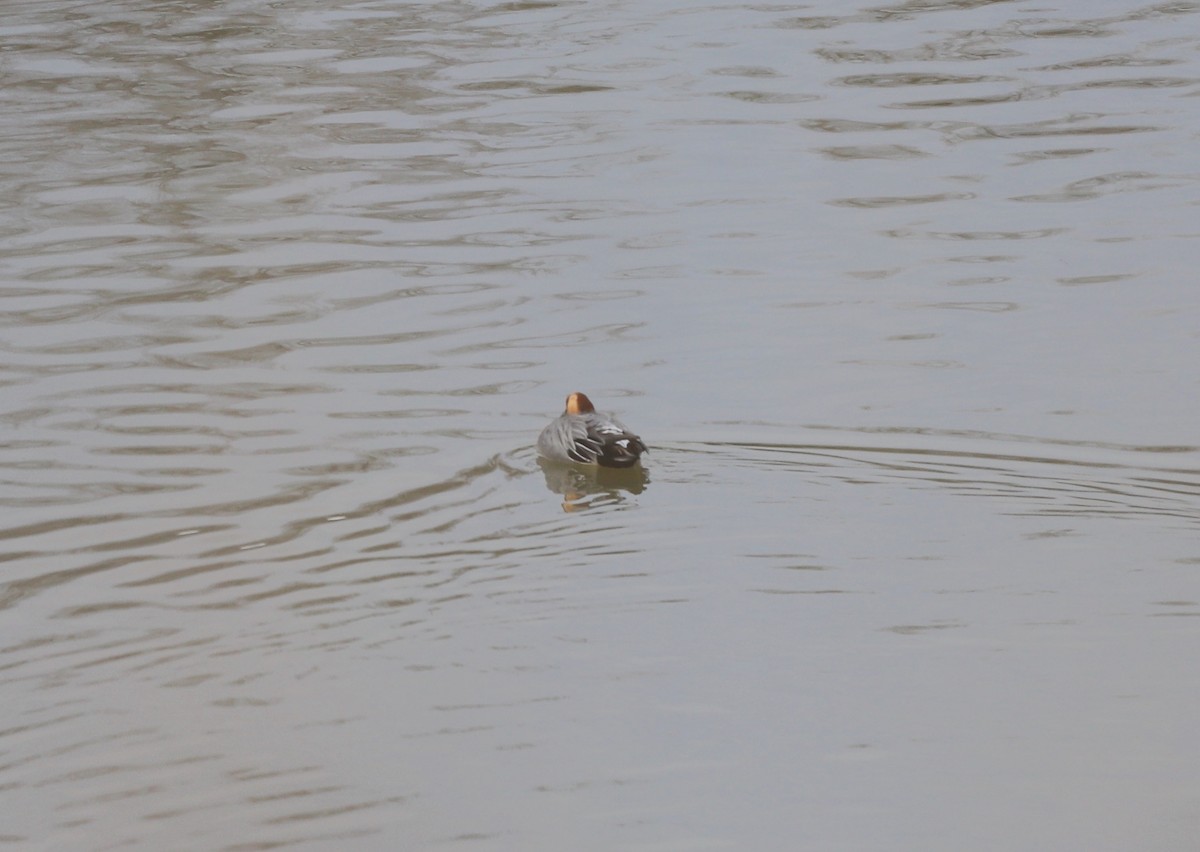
(903, 298)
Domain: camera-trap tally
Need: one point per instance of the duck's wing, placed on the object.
(618, 446)
(570, 438)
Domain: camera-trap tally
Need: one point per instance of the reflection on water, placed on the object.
(585, 488)
(285, 291)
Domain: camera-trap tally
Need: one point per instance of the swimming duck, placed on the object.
(585, 436)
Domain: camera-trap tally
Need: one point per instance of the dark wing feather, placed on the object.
(618, 447)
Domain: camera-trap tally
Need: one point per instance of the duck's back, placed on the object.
(590, 438)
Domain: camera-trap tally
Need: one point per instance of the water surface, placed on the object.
(899, 296)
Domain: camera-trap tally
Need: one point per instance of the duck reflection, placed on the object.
(590, 487)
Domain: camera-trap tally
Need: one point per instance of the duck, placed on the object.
(582, 435)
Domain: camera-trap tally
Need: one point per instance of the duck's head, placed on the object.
(578, 403)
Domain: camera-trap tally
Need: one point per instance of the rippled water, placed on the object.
(901, 297)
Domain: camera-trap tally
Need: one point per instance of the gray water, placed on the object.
(903, 299)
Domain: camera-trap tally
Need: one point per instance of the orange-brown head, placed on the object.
(578, 403)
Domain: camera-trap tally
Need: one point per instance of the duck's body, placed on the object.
(582, 435)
